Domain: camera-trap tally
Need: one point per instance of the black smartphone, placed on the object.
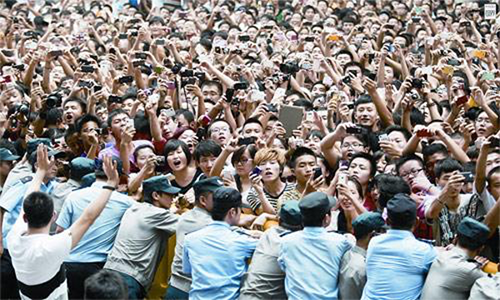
(97, 88)
(112, 51)
(114, 99)
(453, 62)
(20, 67)
(229, 95)
(88, 69)
(494, 142)
(309, 39)
(240, 86)
(56, 53)
(138, 63)
(160, 42)
(317, 173)
(246, 141)
(85, 83)
(244, 38)
(256, 171)
(354, 130)
(469, 177)
(123, 36)
(126, 79)
(141, 55)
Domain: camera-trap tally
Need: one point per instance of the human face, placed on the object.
(206, 163)
(350, 146)
(398, 138)
(354, 190)
(182, 121)
(270, 171)
(304, 167)
(492, 161)
(318, 90)
(431, 162)
(210, 92)
(360, 169)
(494, 186)
(142, 157)
(164, 200)
(88, 129)
(127, 105)
(252, 130)
(245, 165)
(483, 125)
(177, 160)
(343, 59)
(71, 111)
(118, 124)
(5, 167)
(366, 114)
(443, 179)
(187, 137)
(220, 132)
(411, 170)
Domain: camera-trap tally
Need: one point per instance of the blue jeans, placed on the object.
(175, 294)
(135, 289)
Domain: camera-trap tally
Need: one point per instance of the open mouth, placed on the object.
(177, 163)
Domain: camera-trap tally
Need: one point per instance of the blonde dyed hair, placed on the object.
(268, 154)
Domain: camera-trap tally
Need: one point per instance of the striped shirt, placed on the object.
(275, 201)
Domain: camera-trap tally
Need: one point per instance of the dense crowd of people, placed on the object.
(305, 149)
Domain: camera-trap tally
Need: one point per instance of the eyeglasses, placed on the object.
(288, 179)
(353, 145)
(243, 161)
(413, 172)
(217, 130)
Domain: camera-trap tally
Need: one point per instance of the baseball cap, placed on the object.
(99, 164)
(158, 184)
(33, 144)
(207, 185)
(367, 222)
(6, 155)
(290, 213)
(225, 198)
(401, 208)
(316, 204)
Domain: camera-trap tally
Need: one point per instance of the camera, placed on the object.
(247, 141)
(177, 68)
(417, 83)
(126, 79)
(88, 69)
(244, 38)
(53, 100)
(188, 81)
(85, 83)
(240, 86)
(22, 109)
(289, 68)
(354, 130)
(141, 55)
(187, 73)
(114, 99)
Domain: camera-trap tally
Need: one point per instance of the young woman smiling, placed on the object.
(178, 158)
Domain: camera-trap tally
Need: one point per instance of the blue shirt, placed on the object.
(97, 242)
(311, 260)
(396, 266)
(12, 202)
(216, 257)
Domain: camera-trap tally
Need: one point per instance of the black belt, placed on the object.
(43, 290)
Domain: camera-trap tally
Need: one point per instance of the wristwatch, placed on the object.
(108, 187)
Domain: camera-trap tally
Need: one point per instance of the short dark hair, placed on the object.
(172, 145)
(139, 148)
(490, 174)
(84, 119)
(206, 148)
(38, 208)
(398, 128)
(114, 113)
(368, 157)
(433, 149)
(218, 120)
(447, 165)
(81, 102)
(252, 150)
(390, 185)
(407, 158)
(300, 151)
(217, 84)
(252, 120)
(314, 221)
(186, 113)
(105, 284)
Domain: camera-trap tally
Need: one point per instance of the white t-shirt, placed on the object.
(38, 258)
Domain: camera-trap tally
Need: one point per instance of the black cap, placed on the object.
(158, 184)
(366, 223)
(80, 167)
(290, 213)
(474, 231)
(207, 185)
(401, 208)
(51, 152)
(315, 205)
(40, 21)
(87, 180)
(6, 155)
(225, 198)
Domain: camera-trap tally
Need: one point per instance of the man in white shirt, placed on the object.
(38, 257)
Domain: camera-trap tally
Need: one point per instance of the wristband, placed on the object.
(108, 187)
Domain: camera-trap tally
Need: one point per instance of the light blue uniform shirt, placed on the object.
(311, 260)
(396, 266)
(97, 242)
(216, 257)
(12, 202)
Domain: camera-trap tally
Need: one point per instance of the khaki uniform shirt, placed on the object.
(191, 221)
(352, 277)
(265, 279)
(451, 276)
(486, 288)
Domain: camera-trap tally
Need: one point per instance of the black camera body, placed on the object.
(289, 68)
(53, 100)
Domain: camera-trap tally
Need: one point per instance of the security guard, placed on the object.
(352, 277)
(265, 279)
(193, 220)
(454, 272)
(311, 257)
(144, 231)
(486, 288)
(7, 159)
(216, 255)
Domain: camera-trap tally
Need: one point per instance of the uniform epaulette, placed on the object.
(26, 179)
(285, 233)
(240, 231)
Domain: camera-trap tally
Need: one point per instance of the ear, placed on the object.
(25, 218)
(155, 196)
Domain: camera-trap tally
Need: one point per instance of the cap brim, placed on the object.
(333, 201)
(171, 190)
(10, 158)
